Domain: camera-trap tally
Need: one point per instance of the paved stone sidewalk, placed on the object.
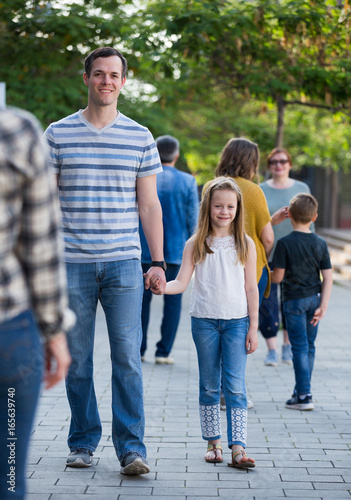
(298, 454)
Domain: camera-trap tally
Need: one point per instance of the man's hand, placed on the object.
(56, 350)
(155, 279)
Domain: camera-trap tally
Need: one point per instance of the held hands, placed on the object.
(251, 343)
(155, 279)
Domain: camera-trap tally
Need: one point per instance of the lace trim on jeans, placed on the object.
(210, 418)
(238, 418)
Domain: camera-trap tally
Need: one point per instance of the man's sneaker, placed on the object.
(79, 458)
(298, 403)
(286, 354)
(160, 360)
(134, 464)
(271, 358)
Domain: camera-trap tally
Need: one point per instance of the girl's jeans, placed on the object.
(302, 335)
(221, 343)
(21, 369)
(119, 288)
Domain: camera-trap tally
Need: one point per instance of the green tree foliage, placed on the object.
(42, 47)
(204, 71)
(221, 54)
(291, 49)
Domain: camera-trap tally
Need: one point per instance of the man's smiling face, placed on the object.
(105, 81)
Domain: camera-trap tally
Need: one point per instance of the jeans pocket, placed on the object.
(20, 349)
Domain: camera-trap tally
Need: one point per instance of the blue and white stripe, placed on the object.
(98, 169)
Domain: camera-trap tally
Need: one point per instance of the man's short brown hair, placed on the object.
(104, 52)
(303, 208)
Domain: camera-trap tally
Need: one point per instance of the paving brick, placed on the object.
(333, 486)
(320, 494)
(252, 494)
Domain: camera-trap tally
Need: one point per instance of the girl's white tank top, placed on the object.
(218, 290)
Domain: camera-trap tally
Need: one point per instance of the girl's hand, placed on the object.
(154, 282)
(251, 343)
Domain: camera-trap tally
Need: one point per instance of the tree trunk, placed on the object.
(331, 199)
(280, 123)
(334, 199)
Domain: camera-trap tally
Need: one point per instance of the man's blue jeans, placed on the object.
(21, 370)
(221, 343)
(302, 336)
(119, 287)
(171, 315)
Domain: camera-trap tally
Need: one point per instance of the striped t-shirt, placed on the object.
(98, 169)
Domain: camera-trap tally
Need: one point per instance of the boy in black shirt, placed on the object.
(298, 260)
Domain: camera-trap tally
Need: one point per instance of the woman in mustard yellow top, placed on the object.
(240, 160)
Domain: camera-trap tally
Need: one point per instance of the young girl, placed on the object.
(224, 313)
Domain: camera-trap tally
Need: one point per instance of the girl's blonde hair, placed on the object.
(204, 229)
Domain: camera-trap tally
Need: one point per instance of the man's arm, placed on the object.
(150, 213)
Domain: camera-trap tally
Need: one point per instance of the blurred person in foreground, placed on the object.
(33, 302)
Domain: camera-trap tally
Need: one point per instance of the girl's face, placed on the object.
(279, 165)
(223, 210)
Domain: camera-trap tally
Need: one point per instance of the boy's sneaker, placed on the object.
(271, 358)
(134, 464)
(298, 403)
(286, 354)
(79, 458)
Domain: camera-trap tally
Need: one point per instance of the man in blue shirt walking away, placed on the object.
(179, 199)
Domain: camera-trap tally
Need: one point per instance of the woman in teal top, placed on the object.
(279, 190)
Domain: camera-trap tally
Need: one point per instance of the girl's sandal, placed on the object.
(216, 454)
(247, 464)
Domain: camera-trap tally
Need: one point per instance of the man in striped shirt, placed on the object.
(106, 165)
